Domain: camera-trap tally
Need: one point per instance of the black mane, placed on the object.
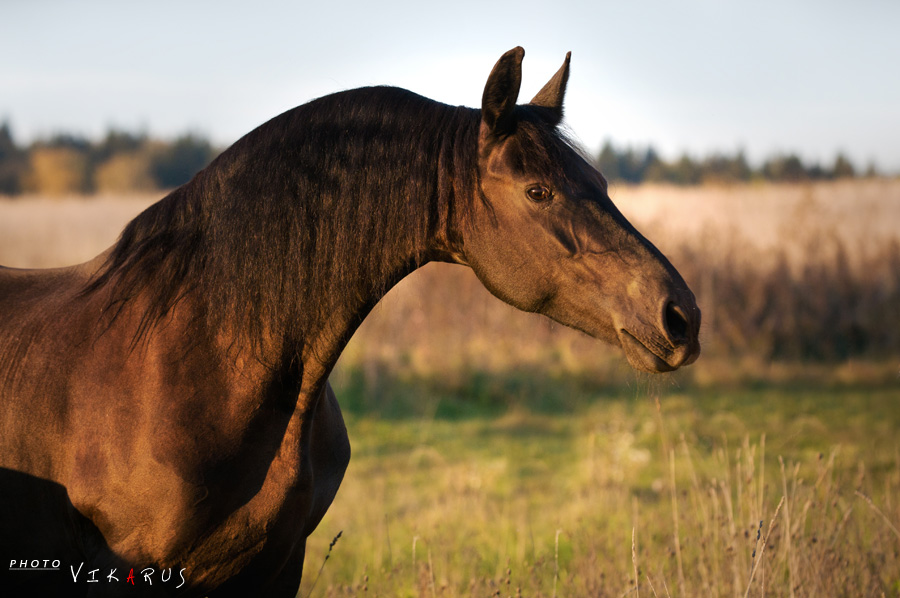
(316, 212)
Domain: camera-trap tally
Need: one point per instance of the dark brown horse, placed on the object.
(166, 423)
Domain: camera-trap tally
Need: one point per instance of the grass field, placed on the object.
(448, 499)
(495, 454)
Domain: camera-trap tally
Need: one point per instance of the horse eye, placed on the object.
(538, 193)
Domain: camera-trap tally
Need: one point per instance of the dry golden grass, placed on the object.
(781, 272)
(44, 232)
(863, 214)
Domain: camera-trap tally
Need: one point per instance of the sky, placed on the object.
(766, 77)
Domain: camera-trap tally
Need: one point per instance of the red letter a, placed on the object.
(130, 577)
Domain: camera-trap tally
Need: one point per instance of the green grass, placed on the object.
(459, 489)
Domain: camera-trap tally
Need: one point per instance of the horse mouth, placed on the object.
(656, 359)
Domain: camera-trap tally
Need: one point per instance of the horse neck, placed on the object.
(292, 235)
(344, 249)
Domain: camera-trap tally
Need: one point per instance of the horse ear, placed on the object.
(551, 95)
(501, 92)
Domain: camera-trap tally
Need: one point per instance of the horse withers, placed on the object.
(166, 424)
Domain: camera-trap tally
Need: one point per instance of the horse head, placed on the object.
(548, 239)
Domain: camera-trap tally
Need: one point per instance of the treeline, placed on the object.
(630, 165)
(120, 162)
(124, 162)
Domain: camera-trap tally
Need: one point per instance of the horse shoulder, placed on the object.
(39, 322)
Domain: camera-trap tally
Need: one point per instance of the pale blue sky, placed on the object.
(813, 77)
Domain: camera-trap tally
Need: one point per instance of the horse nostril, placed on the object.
(676, 323)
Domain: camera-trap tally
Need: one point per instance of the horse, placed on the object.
(165, 407)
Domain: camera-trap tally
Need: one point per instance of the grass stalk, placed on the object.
(681, 580)
(762, 550)
(325, 560)
(637, 591)
(872, 506)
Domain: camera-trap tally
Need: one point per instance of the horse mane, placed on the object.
(313, 213)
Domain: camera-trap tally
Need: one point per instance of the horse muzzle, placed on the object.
(671, 343)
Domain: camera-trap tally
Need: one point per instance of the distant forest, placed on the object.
(127, 162)
(120, 162)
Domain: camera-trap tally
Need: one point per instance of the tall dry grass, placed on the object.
(787, 272)
(782, 272)
(50, 232)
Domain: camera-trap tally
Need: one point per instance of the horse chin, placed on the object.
(640, 357)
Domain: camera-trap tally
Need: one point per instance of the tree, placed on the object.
(720, 168)
(175, 164)
(685, 171)
(117, 142)
(58, 170)
(788, 169)
(843, 168)
(608, 161)
(13, 163)
(125, 172)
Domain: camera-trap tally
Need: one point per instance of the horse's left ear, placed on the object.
(551, 95)
(501, 92)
